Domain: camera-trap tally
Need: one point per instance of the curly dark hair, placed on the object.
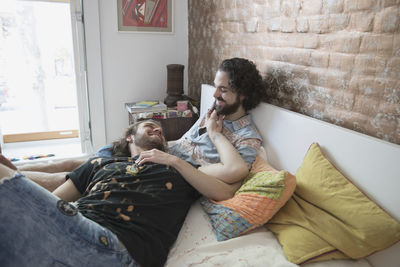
(246, 80)
(120, 147)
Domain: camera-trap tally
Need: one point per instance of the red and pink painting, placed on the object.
(145, 15)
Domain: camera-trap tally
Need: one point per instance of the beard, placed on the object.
(227, 109)
(147, 143)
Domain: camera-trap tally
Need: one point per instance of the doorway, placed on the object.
(38, 94)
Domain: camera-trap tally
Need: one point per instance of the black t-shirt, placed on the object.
(144, 206)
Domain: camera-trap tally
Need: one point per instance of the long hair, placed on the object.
(120, 147)
(246, 80)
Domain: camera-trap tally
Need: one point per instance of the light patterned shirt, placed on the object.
(196, 147)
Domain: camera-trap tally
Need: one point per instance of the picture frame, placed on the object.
(145, 16)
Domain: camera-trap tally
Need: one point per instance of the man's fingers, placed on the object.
(208, 114)
(214, 114)
(143, 155)
(210, 110)
(212, 107)
(142, 160)
(138, 159)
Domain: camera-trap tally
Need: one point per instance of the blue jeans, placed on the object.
(39, 229)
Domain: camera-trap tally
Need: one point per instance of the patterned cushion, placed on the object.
(264, 191)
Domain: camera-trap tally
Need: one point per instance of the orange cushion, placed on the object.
(263, 192)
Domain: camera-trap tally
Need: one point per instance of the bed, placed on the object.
(370, 165)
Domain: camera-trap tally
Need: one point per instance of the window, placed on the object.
(38, 86)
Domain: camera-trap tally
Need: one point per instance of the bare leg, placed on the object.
(67, 165)
(6, 162)
(49, 181)
(5, 171)
(50, 175)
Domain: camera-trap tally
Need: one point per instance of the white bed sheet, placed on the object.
(197, 246)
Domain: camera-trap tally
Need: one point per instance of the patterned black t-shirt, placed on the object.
(144, 206)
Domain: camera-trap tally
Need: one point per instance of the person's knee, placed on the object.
(72, 164)
(7, 162)
(6, 172)
(57, 179)
(66, 165)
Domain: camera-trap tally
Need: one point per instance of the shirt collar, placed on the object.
(239, 123)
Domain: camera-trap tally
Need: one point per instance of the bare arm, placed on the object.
(207, 185)
(67, 191)
(206, 180)
(232, 168)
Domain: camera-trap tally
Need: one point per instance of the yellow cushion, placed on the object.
(328, 214)
(301, 245)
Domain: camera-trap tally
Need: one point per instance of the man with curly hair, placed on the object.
(239, 87)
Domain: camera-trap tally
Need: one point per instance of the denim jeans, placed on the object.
(39, 229)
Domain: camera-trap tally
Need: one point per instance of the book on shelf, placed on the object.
(145, 106)
(158, 115)
(147, 103)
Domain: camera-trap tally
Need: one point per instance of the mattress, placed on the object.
(197, 245)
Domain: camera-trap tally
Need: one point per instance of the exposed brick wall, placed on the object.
(335, 60)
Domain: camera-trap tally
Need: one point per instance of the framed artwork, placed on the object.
(153, 16)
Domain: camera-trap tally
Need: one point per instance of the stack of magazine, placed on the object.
(146, 106)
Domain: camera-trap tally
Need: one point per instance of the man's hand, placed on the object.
(206, 184)
(156, 156)
(213, 123)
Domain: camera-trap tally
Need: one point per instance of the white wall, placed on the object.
(133, 65)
